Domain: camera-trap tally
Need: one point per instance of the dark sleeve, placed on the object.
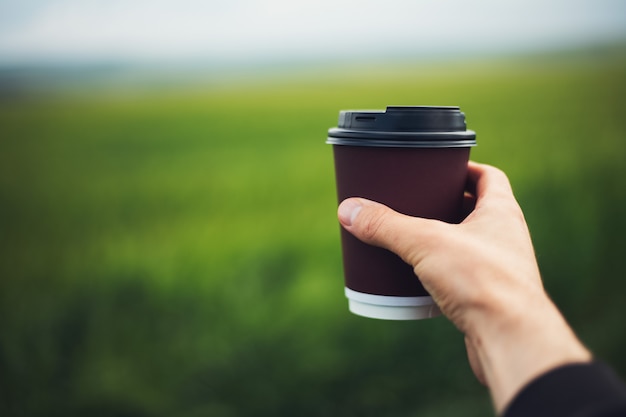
(576, 390)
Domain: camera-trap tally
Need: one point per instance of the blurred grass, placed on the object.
(176, 252)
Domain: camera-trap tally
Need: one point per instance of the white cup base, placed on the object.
(391, 308)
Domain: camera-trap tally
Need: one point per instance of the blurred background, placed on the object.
(168, 239)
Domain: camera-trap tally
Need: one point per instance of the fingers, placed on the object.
(485, 180)
(378, 225)
(469, 203)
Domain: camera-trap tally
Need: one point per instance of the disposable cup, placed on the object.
(414, 160)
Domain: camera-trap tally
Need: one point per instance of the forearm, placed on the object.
(518, 343)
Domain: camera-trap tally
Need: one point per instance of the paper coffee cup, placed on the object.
(414, 160)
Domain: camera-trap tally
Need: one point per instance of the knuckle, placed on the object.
(497, 173)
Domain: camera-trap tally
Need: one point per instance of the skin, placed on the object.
(483, 275)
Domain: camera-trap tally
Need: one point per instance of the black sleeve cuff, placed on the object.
(575, 390)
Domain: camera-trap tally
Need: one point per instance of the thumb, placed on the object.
(379, 225)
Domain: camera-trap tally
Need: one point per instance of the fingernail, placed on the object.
(348, 210)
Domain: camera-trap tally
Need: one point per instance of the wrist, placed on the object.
(516, 342)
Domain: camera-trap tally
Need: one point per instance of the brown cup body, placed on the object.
(422, 182)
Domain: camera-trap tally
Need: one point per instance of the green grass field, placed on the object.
(176, 253)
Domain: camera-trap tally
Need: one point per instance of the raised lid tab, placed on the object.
(404, 119)
(409, 126)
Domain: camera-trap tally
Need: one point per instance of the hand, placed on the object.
(483, 275)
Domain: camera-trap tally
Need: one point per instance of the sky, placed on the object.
(33, 31)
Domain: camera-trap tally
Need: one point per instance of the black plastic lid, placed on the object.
(403, 126)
